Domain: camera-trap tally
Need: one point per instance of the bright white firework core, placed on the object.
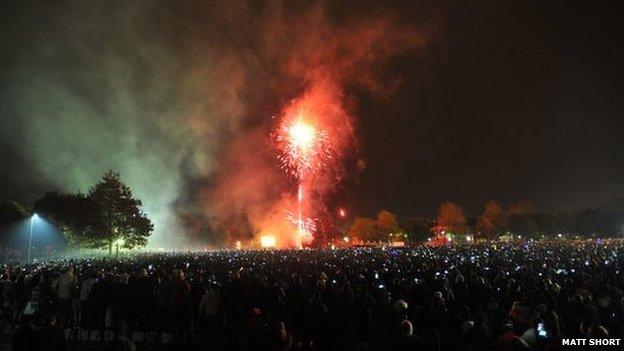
(302, 135)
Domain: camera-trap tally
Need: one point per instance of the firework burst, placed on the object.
(304, 148)
(306, 226)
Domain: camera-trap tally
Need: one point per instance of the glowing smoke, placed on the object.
(175, 96)
(318, 59)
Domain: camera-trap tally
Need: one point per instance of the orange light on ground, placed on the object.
(345, 239)
(268, 241)
(239, 245)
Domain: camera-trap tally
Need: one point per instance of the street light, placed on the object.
(32, 224)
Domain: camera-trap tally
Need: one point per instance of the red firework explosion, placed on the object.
(304, 151)
(304, 148)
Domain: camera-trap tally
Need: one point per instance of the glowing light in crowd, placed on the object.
(345, 239)
(268, 241)
(342, 213)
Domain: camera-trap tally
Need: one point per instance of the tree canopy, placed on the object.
(493, 221)
(75, 215)
(378, 229)
(108, 214)
(120, 214)
(419, 229)
(364, 229)
(11, 211)
(452, 218)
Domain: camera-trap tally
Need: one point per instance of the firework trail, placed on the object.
(304, 151)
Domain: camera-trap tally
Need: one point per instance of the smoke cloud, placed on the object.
(177, 96)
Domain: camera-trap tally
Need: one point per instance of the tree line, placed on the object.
(519, 219)
(107, 216)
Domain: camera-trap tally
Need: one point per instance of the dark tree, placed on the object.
(493, 221)
(553, 224)
(521, 208)
(451, 217)
(600, 222)
(522, 224)
(364, 229)
(74, 214)
(387, 226)
(122, 222)
(419, 229)
(11, 211)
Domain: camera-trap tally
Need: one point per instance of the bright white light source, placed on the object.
(267, 241)
(302, 134)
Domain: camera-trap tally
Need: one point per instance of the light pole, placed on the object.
(32, 224)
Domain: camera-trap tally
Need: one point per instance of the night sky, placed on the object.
(514, 101)
(506, 100)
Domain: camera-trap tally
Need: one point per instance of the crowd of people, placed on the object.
(515, 296)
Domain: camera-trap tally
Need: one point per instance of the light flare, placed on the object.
(268, 241)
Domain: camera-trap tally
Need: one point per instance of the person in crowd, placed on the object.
(64, 287)
(508, 341)
(210, 311)
(85, 292)
(406, 339)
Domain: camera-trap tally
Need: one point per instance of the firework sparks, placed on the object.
(304, 151)
(342, 213)
(304, 147)
(306, 226)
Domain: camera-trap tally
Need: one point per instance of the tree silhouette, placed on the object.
(493, 221)
(378, 229)
(521, 208)
(121, 217)
(363, 228)
(419, 229)
(11, 211)
(386, 224)
(452, 218)
(74, 214)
